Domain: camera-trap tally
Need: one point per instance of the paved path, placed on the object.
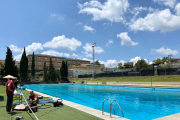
(170, 84)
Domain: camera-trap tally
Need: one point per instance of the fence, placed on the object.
(148, 72)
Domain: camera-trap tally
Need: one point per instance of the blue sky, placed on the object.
(124, 30)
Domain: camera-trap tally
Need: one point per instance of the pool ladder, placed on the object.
(111, 106)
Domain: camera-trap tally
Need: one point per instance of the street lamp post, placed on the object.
(93, 45)
(169, 56)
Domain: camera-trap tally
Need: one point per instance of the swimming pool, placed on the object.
(137, 103)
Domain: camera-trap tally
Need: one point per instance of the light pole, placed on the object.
(169, 56)
(93, 45)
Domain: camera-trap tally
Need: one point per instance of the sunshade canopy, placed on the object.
(8, 76)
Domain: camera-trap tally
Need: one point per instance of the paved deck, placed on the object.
(168, 84)
(85, 109)
(170, 117)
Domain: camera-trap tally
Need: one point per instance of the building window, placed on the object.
(39, 57)
(69, 65)
(39, 62)
(82, 62)
(59, 63)
(79, 62)
(74, 61)
(69, 61)
(87, 62)
(53, 63)
(53, 58)
(59, 59)
(78, 65)
(39, 67)
(58, 68)
(46, 62)
(45, 58)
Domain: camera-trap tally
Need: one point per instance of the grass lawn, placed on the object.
(172, 78)
(53, 113)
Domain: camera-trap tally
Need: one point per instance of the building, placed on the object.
(57, 61)
(16, 62)
(172, 60)
(128, 65)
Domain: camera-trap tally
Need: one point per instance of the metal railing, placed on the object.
(110, 106)
(118, 105)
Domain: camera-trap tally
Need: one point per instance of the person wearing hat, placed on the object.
(9, 92)
(15, 84)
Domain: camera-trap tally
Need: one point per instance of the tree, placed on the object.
(24, 66)
(33, 67)
(141, 64)
(165, 60)
(66, 71)
(51, 70)
(2, 70)
(120, 66)
(97, 62)
(158, 61)
(15, 70)
(9, 62)
(62, 71)
(45, 72)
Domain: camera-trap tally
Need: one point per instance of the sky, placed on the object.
(123, 30)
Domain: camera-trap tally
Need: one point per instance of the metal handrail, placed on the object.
(110, 106)
(113, 108)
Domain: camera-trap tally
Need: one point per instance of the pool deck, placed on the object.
(168, 84)
(85, 109)
(170, 117)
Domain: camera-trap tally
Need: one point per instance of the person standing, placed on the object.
(9, 92)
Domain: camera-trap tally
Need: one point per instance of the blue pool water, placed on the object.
(137, 103)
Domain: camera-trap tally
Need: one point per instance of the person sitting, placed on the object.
(33, 99)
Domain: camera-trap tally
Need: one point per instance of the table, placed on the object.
(18, 97)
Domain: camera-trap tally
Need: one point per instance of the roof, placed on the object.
(128, 63)
(77, 59)
(45, 55)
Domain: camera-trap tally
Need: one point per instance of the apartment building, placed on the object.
(16, 62)
(86, 67)
(57, 61)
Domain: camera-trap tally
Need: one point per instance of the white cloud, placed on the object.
(29, 49)
(58, 16)
(15, 48)
(67, 55)
(150, 62)
(33, 47)
(62, 42)
(112, 10)
(111, 63)
(79, 23)
(177, 9)
(159, 20)
(137, 10)
(89, 28)
(74, 55)
(169, 3)
(126, 40)
(18, 57)
(134, 60)
(109, 42)
(164, 51)
(53, 53)
(87, 54)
